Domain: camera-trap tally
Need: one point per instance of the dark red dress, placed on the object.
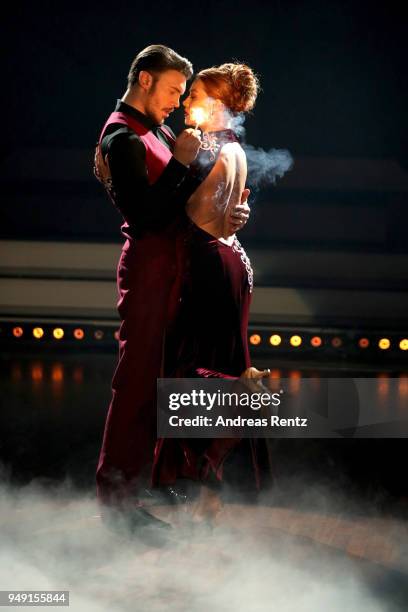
(209, 337)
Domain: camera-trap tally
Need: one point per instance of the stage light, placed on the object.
(364, 343)
(384, 344)
(17, 332)
(295, 374)
(275, 340)
(316, 341)
(404, 344)
(336, 342)
(255, 339)
(57, 374)
(383, 383)
(37, 372)
(403, 388)
(295, 340)
(98, 334)
(295, 379)
(116, 335)
(38, 332)
(79, 333)
(58, 333)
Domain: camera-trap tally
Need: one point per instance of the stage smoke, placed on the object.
(264, 167)
(256, 558)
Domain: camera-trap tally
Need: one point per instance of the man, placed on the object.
(145, 170)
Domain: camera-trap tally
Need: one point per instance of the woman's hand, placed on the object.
(255, 373)
(251, 379)
(240, 213)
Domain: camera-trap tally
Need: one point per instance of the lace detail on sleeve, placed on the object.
(102, 171)
(238, 248)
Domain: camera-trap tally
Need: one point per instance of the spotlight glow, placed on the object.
(383, 384)
(37, 372)
(57, 374)
(255, 339)
(364, 343)
(79, 334)
(337, 342)
(275, 340)
(403, 387)
(404, 344)
(198, 115)
(295, 378)
(384, 344)
(58, 333)
(316, 341)
(98, 334)
(38, 332)
(295, 340)
(17, 332)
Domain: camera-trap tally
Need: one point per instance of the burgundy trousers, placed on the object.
(148, 288)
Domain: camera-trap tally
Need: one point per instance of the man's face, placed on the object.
(163, 95)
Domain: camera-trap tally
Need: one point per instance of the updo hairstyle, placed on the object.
(236, 85)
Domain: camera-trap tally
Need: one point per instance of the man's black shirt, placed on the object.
(145, 207)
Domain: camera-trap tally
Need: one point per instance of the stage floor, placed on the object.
(330, 534)
(256, 557)
(53, 408)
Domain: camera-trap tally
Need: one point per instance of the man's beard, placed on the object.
(153, 118)
(152, 91)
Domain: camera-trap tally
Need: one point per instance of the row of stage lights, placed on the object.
(276, 340)
(58, 333)
(262, 340)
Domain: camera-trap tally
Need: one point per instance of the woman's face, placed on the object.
(198, 99)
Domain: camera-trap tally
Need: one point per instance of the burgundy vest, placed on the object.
(157, 154)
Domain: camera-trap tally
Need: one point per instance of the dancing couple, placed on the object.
(184, 281)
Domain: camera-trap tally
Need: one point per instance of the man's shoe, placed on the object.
(149, 529)
(139, 518)
(140, 524)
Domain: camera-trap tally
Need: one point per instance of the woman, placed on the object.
(209, 335)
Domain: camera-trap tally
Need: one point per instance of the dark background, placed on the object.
(334, 84)
(333, 74)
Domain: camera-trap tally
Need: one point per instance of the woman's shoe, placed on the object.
(207, 507)
(175, 496)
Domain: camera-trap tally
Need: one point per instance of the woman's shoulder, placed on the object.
(232, 153)
(230, 149)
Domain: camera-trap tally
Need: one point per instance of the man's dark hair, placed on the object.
(156, 59)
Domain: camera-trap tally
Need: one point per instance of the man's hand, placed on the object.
(187, 146)
(240, 213)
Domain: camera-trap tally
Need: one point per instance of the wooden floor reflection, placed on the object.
(324, 546)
